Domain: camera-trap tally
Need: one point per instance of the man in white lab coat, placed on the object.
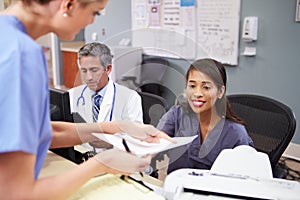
(117, 102)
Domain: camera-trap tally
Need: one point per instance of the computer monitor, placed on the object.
(60, 110)
(60, 105)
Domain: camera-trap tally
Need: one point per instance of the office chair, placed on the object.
(150, 78)
(154, 107)
(270, 123)
(152, 72)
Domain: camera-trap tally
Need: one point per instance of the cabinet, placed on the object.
(72, 76)
(71, 71)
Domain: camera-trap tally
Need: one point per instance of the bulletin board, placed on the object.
(189, 29)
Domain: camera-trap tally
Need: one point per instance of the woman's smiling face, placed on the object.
(201, 92)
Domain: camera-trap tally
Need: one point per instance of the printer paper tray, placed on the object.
(241, 187)
(234, 196)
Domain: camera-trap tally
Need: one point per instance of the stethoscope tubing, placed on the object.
(81, 97)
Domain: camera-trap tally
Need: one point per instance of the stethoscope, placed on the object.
(81, 97)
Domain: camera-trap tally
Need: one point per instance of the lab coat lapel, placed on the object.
(88, 105)
(81, 104)
(105, 107)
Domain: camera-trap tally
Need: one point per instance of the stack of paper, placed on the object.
(139, 147)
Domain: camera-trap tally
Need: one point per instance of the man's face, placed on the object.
(93, 72)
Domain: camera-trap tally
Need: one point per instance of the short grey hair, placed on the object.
(96, 49)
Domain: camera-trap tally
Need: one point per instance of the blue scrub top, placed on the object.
(181, 122)
(24, 101)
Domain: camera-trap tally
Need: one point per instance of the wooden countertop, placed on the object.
(71, 46)
(107, 186)
(55, 164)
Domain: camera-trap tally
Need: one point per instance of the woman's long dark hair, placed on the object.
(216, 71)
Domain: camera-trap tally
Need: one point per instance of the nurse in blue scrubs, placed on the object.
(26, 132)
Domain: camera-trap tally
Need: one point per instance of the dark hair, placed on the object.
(216, 71)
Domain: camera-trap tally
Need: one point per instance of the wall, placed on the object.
(115, 21)
(272, 72)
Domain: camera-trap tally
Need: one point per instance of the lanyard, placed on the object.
(113, 103)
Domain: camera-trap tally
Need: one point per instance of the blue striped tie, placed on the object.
(96, 106)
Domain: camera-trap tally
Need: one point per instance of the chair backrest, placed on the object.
(154, 107)
(270, 123)
(153, 69)
(152, 73)
(150, 78)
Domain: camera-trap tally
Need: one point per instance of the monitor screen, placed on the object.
(60, 105)
(60, 110)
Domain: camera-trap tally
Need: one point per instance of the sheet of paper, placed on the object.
(112, 187)
(139, 147)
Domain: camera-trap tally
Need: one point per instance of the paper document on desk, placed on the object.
(112, 187)
(139, 147)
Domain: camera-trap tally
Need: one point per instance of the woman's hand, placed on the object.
(144, 132)
(120, 162)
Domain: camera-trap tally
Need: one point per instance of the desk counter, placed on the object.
(107, 186)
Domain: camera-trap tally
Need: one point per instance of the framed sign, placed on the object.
(297, 17)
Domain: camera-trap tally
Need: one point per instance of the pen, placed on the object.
(128, 150)
(125, 145)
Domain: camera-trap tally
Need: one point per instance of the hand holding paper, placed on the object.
(120, 162)
(145, 132)
(141, 148)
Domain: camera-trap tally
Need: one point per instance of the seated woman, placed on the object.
(206, 113)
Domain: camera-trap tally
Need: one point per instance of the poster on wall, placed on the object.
(166, 30)
(171, 14)
(218, 29)
(139, 14)
(188, 14)
(154, 13)
(297, 17)
(188, 29)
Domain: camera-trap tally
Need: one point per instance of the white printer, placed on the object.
(240, 173)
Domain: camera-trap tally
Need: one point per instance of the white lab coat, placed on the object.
(127, 106)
